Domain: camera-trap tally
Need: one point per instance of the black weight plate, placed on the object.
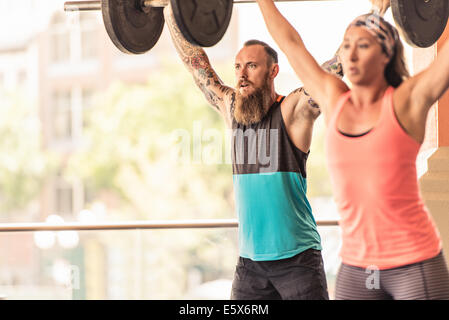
(131, 29)
(202, 22)
(422, 21)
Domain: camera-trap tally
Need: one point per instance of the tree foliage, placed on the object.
(23, 164)
(132, 145)
(135, 160)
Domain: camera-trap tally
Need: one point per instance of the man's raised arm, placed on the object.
(221, 97)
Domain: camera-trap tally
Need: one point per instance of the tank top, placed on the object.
(269, 176)
(384, 221)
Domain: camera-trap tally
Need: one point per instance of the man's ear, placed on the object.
(274, 70)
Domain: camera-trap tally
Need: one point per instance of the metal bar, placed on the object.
(82, 5)
(155, 3)
(253, 1)
(130, 225)
(96, 4)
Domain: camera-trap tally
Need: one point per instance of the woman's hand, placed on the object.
(380, 6)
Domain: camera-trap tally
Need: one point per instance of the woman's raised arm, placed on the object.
(324, 88)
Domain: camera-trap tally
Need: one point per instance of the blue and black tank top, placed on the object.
(269, 175)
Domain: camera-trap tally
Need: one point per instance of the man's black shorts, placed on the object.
(300, 277)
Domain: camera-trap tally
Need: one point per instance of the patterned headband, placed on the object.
(383, 31)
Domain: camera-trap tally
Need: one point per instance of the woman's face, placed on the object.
(362, 56)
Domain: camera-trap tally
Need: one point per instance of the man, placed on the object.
(280, 248)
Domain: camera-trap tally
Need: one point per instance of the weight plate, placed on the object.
(421, 21)
(202, 22)
(132, 29)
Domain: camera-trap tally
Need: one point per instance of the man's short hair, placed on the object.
(272, 54)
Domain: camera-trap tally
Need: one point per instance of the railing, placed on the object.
(129, 225)
(75, 267)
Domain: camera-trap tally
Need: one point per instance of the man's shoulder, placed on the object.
(294, 96)
(293, 99)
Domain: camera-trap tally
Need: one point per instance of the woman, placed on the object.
(391, 248)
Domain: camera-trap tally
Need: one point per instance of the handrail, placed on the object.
(129, 225)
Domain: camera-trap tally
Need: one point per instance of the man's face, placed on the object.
(254, 85)
(251, 68)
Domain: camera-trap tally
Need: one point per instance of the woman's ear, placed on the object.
(386, 60)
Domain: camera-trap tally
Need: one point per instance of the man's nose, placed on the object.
(242, 78)
(242, 74)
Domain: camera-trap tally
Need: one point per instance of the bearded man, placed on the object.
(279, 245)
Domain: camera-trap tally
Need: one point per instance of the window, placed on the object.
(87, 97)
(59, 39)
(88, 30)
(60, 47)
(73, 38)
(22, 78)
(63, 198)
(67, 115)
(61, 116)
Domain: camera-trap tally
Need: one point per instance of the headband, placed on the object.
(380, 29)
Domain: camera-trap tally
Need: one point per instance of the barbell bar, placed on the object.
(96, 4)
(135, 26)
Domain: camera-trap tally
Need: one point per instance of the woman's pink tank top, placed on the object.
(384, 221)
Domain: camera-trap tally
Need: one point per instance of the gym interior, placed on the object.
(115, 179)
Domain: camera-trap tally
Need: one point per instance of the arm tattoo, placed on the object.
(232, 102)
(197, 62)
(332, 66)
(310, 101)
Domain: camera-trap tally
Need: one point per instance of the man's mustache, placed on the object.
(239, 83)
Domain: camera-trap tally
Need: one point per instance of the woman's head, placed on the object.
(370, 43)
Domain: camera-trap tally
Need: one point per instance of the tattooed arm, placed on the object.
(305, 106)
(332, 66)
(220, 97)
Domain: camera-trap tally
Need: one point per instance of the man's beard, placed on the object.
(252, 108)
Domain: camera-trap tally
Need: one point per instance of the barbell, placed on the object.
(135, 26)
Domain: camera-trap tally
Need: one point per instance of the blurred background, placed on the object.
(89, 134)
